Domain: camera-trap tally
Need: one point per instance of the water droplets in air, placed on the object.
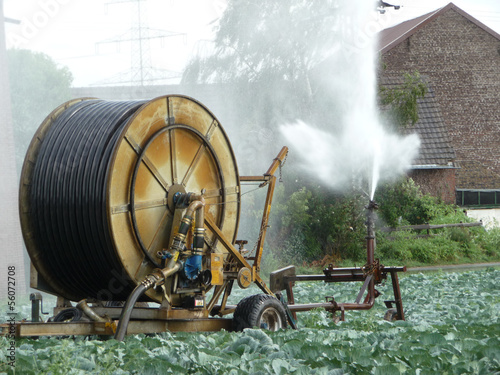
(355, 148)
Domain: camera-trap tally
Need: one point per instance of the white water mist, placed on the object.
(363, 149)
(376, 169)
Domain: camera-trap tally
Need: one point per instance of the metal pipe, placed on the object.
(199, 231)
(358, 306)
(36, 307)
(370, 259)
(82, 305)
(167, 271)
(397, 295)
(311, 306)
(370, 229)
(369, 300)
(197, 203)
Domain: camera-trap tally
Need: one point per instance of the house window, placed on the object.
(478, 198)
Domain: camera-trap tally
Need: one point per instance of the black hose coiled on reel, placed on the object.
(68, 199)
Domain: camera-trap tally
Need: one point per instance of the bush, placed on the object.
(404, 204)
(460, 235)
(310, 224)
(395, 246)
(407, 247)
(450, 245)
(490, 242)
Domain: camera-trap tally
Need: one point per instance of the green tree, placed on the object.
(270, 48)
(37, 86)
(401, 101)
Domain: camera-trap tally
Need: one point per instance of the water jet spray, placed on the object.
(376, 169)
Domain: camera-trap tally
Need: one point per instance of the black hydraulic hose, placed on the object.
(121, 330)
(148, 282)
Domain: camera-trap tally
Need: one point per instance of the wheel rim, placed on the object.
(271, 320)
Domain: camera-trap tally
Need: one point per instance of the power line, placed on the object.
(139, 36)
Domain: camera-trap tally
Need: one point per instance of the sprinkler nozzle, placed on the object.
(372, 205)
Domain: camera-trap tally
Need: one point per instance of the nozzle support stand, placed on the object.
(370, 232)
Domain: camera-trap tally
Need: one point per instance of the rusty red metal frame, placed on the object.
(373, 273)
(288, 278)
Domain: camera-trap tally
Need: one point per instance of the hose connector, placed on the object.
(151, 280)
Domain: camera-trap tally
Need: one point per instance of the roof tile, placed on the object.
(435, 148)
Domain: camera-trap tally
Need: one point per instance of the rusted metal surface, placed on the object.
(371, 274)
(265, 220)
(277, 162)
(285, 279)
(370, 235)
(397, 296)
(197, 325)
(268, 179)
(27, 329)
(277, 279)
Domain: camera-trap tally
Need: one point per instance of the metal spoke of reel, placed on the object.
(151, 167)
(152, 247)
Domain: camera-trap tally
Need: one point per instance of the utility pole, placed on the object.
(139, 36)
(11, 243)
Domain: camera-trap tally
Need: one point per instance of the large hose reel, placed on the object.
(100, 185)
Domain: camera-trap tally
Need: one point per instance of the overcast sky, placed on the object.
(70, 31)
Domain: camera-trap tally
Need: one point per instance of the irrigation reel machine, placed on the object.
(130, 211)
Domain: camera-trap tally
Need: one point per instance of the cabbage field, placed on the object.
(452, 327)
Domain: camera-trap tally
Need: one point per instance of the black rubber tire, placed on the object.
(260, 311)
(71, 314)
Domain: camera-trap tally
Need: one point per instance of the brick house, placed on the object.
(460, 58)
